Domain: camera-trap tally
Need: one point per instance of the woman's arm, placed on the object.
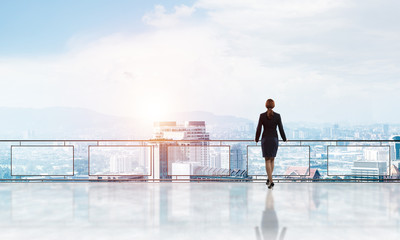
(281, 131)
(258, 132)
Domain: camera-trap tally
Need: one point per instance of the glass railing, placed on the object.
(197, 160)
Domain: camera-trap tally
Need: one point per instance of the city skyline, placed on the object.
(322, 61)
(78, 123)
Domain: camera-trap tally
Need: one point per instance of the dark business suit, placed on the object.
(269, 141)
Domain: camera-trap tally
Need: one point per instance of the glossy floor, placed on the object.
(199, 211)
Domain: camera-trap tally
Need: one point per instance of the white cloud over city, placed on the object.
(322, 61)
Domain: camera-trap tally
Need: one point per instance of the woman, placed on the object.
(269, 141)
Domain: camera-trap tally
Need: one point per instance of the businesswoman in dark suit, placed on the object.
(269, 141)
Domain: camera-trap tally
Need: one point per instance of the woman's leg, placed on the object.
(272, 162)
(266, 164)
(268, 167)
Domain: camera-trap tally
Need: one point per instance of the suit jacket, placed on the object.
(270, 126)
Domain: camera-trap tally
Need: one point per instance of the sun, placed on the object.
(153, 110)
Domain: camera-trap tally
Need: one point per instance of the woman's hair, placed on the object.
(270, 104)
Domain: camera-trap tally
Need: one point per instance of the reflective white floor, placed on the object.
(199, 211)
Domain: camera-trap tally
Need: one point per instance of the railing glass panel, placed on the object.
(357, 160)
(42, 160)
(292, 160)
(198, 160)
(119, 160)
(152, 160)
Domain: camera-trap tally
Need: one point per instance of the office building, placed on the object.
(397, 147)
(173, 155)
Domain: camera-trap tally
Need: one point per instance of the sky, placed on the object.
(320, 60)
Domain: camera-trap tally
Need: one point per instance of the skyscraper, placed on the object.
(397, 146)
(385, 129)
(189, 130)
(197, 151)
(238, 157)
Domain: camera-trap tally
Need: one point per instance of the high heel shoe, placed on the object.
(270, 186)
(267, 183)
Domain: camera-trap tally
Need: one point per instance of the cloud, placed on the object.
(160, 18)
(246, 13)
(319, 60)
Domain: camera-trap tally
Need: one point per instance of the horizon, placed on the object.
(171, 118)
(80, 123)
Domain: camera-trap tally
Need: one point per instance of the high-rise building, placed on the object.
(191, 153)
(190, 130)
(335, 131)
(397, 147)
(385, 129)
(369, 168)
(121, 164)
(134, 162)
(163, 149)
(237, 157)
(376, 154)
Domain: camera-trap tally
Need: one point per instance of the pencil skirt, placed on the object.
(269, 146)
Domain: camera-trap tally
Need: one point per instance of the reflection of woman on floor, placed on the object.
(269, 221)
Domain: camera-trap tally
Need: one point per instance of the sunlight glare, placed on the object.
(153, 110)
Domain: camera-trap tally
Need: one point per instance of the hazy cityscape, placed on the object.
(174, 149)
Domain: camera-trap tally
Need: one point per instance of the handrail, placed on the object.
(154, 143)
(189, 140)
